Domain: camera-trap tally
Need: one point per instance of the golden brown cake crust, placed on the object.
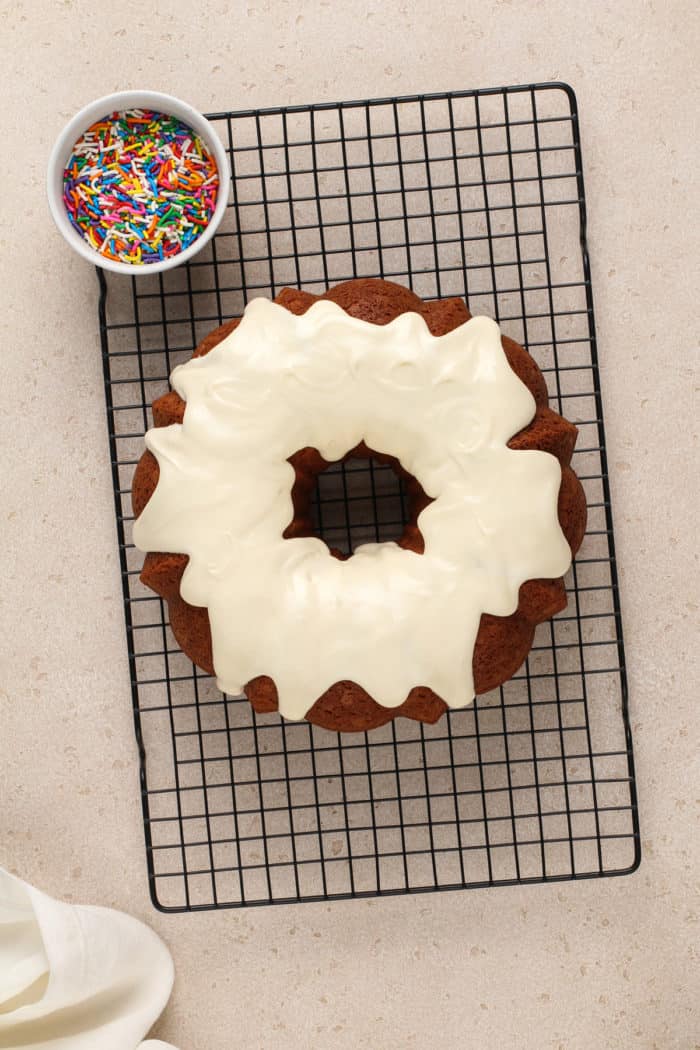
(503, 642)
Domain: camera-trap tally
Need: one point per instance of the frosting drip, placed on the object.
(387, 618)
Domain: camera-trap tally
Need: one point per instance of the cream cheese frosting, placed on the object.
(387, 618)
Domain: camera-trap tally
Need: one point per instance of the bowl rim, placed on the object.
(81, 121)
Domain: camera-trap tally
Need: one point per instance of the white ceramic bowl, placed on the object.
(122, 100)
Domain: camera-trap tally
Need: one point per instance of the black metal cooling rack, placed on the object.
(474, 193)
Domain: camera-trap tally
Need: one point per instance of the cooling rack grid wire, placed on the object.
(477, 194)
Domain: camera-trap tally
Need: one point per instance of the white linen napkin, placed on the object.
(75, 977)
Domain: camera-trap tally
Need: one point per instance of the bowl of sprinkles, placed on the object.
(138, 182)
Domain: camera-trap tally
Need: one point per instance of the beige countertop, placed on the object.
(607, 963)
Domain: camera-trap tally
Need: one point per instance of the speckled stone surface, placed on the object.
(599, 964)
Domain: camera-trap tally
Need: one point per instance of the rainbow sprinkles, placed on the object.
(140, 186)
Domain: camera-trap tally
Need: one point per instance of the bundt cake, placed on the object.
(222, 502)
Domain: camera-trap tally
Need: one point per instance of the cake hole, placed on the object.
(358, 501)
(364, 498)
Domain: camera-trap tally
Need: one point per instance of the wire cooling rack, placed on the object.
(478, 194)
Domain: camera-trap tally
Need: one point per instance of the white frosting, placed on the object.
(387, 618)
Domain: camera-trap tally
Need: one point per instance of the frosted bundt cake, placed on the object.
(222, 501)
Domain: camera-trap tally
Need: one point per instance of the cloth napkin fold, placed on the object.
(76, 977)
